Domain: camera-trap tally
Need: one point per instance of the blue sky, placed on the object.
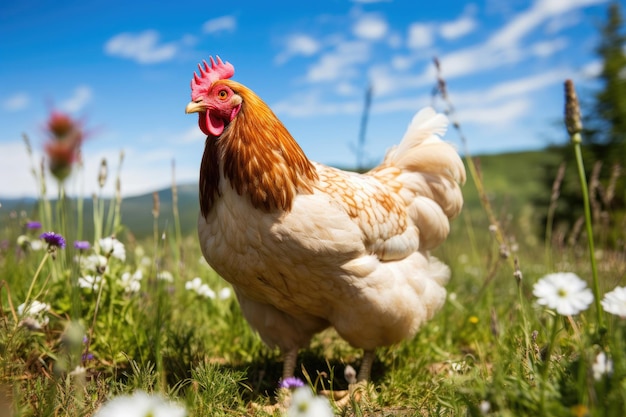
(124, 69)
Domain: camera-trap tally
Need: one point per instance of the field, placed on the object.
(137, 317)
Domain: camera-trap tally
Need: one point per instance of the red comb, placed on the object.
(210, 73)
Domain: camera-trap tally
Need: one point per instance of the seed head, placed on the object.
(573, 122)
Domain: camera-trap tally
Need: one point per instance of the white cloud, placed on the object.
(143, 47)
(81, 97)
(312, 104)
(370, 27)
(401, 62)
(220, 24)
(495, 115)
(387, 81)
(421, 35)
(529, 20)
(512, 89)
(558, 23)
(339, 64)
(298, 44)
(191, 135)
(504, 46)
(548, 48)
(16, 102)
(460, 27)
(17, 167)
(592, 69)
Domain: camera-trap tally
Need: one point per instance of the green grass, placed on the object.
(488, 345)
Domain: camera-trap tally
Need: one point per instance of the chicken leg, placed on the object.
(356, 384)
(366, 365)
(290, 358)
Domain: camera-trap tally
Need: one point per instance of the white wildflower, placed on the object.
(563, 291)
(26, 243)
(23, 241)
(140, 404)
(304, 403)
(131, 282)
(34, 309)
(109, 246)
(165, 276)
(198, 287)
(602, 366)
(614, 302)
(34, 316)
(78, 371)
(90, 281)
(485, 407)
(459, 367)
(224, 293)
(94, 263)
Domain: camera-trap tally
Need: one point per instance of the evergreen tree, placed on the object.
(609, 113)
(605, 146)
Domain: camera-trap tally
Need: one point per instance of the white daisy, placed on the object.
(90, 281)
(140, 404)
(94, 263)
(304, 403)
(34, 309)
(224, 293)
(563, 291)
(603, 365)
(131, 282)
(614, 302)
(198, 287)
(34, 316)
(109, 246)
(165, 276)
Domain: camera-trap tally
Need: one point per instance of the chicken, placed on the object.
(307, 246)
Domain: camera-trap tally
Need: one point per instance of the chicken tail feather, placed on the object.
(430, 174)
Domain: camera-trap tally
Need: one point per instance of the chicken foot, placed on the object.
(356, 384)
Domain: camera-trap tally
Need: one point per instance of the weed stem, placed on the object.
(574, 127)
(32, 283)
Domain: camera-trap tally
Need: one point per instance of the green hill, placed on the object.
(513, 181)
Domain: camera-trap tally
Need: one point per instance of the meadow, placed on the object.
(126, 303)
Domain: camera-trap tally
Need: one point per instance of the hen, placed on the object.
(306, 246)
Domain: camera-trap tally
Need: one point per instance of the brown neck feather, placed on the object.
(259, 156)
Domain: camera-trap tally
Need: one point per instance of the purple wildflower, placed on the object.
(291, 382)
(53, 239)
(82, 245)
(33, 225)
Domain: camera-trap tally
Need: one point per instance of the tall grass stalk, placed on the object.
(114, 215)
(554, 197)
(474, 173)
(574, 127)
(177, 231)
(32, 282)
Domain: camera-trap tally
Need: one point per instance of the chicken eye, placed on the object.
(222, 94)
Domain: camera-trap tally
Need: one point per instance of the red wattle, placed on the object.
(214, 125)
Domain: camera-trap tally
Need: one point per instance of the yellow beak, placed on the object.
(195, 107)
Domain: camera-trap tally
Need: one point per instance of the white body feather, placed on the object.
(353, 254)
